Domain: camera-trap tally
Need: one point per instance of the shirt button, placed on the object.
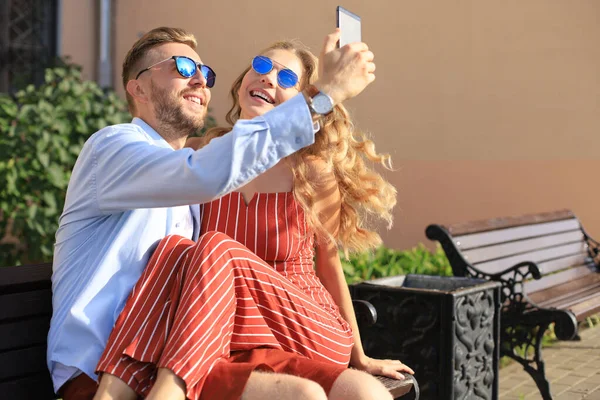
(298, 140)
(177, 225)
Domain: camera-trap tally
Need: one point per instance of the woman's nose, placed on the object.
(270, 78)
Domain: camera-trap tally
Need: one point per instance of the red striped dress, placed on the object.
(273, 226)
(246, 285)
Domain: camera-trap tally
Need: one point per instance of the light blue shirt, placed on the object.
(119, 205)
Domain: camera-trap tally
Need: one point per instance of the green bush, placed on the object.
(42, 131)
(387, 262)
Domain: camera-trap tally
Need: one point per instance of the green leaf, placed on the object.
(64, 86)
(32, 211)
(61, 72)
(49, 75)
(50, 201)
(57, 176)
(44, 159)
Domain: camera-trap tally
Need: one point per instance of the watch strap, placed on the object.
(309, 92)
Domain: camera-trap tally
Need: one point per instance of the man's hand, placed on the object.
(344, 72)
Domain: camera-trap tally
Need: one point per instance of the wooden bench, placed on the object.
(549, 270)
(25, 311)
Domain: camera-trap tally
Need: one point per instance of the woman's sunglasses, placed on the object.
(286, 78)
(188, 68)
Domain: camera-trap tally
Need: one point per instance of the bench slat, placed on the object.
(512, 248)
(25, 274)
(37, 387)
(25, 304)
(553, 266)
(512, 234)
(548, 267)
(586, 308)
(566, 290)
(24, 362)
(493, 224)
(577, 296)
(24, 333)
(558, 278)
(537, 256)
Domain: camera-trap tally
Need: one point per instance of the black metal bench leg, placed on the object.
(539, 376)
(531, 339)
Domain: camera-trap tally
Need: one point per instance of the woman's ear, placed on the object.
(137, 91)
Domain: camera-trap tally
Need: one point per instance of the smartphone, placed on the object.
(349, 24)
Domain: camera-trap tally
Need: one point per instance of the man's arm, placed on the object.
(132, 173)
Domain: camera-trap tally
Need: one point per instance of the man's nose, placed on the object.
(198, 78)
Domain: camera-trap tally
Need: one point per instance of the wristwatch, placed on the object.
(318, 102)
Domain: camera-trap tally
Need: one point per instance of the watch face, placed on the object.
(322, 104)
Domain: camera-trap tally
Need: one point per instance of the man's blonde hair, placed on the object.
(135, 58)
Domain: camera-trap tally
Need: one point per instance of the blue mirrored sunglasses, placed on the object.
(188, 68)
(286, 78)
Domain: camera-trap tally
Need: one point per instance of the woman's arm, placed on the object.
(330, 272)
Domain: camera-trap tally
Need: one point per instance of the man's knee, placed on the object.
(358, 385)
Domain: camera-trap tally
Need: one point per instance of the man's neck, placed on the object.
(168, 133)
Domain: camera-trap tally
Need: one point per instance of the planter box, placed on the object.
(445, 328)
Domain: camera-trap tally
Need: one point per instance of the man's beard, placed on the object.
(173, 122)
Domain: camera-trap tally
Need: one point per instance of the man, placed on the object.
(133, 184)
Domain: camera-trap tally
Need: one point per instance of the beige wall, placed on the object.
(488, 108)
(79, 34)
(448, 191)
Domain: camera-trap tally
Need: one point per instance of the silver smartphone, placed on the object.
(349, 24)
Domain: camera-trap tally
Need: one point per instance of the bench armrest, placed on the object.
(593, 248)
(517, 269)
(407, 389)
(366, 314)
(515, 302)
(512, 292)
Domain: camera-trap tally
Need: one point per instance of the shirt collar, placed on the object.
(151, 132)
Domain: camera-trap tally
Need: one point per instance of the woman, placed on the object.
(245, 297)
(318, 198)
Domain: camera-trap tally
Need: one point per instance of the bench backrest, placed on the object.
(554, 241)
(25, 311)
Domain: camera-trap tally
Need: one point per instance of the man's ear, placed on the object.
(137, 91)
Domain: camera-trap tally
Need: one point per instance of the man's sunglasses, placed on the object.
(188, 68)
(286, 78)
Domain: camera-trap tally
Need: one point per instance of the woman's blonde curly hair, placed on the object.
(365, 195)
